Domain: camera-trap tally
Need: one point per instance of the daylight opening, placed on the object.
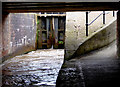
(43, 37)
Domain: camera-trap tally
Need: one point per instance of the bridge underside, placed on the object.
(27, 7)
(20, 7)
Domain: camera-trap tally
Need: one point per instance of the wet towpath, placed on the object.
(35, 69)
(99, 68)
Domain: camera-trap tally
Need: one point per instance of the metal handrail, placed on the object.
(88, 24)
(89, 12)
(96, 18)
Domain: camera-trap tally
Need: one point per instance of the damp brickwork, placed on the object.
(18, 34)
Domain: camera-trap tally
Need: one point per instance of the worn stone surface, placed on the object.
(70, 76)
(99, 68)
(18, 34)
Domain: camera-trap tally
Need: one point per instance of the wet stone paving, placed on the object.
(38, 68)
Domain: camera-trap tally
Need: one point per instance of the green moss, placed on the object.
(64, 66)
(37, 32)
(37, 22)
(68, 58)
(28, 51)
(37, 35)
(60, 42)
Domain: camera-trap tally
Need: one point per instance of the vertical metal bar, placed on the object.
(39, 34)
(113, 13)
(103, 17)
(56, 32)
(86, 23)
(47, 26)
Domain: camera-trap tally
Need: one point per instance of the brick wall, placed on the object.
(18, 34)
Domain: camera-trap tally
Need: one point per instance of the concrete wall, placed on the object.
(18, 34)
(75, 30)
(74, 26)
(75, 33)
(99, 39)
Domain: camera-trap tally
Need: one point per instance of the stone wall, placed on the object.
(101, 38)
(18, 34)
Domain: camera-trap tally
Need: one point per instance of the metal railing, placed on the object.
(88, 24)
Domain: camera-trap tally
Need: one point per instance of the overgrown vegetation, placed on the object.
(60, 42)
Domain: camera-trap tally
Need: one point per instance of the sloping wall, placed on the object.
(75, 33)
(99, 39)
(18, 34)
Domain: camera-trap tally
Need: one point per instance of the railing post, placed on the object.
(86, 23)
(103, 17)
(113, 13)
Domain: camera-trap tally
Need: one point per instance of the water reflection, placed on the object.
(39, 68)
